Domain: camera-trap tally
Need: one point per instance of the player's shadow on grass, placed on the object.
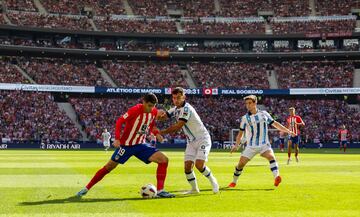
(246, 189)
(76, 199)
(226, 189)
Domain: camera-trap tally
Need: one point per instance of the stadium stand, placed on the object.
(24, 119)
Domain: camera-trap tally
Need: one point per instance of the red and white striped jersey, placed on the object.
(137, 125)
(292, 122)
(343, 135)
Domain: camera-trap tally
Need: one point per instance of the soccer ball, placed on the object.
(148, 191)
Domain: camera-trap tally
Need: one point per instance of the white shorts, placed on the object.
(198, 149)
(250, 152)
(106, 144)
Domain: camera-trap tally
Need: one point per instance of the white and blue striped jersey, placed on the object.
(256, 128)
(194, 127)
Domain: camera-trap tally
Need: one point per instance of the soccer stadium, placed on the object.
(179, 108)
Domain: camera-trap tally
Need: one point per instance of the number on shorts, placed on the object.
(121, 151)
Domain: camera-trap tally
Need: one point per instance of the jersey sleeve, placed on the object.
(299, 120)
(269, 119)
(185, 114)
(131, 113)
(242, 124)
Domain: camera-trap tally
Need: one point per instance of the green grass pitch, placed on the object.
(41, 183)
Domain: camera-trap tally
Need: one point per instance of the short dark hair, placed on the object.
(177, 90)
(150, 97)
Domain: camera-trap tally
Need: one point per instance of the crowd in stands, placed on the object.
(190, 8)
(145, 74)
(250, 8)
(27, 116)
(9, 74)
(290, 8)
(62, 72)
(102, 8)
(50, 21)
(322, 117)
(298, 74)
(135, 26)
(314, 26)
(244, 75)
(146, 25)
(334, 7)
(224, 27)
(151, 8)
(20, 5)
(169, 26)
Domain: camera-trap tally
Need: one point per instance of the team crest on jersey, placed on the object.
(186, 111)
(143, 129)
(125, 115)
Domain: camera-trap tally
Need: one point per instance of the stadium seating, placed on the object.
(20, 5)
(102, 8)
(9, 74)
(230, 75)
(221, 28)
(24, 119)
(65, 72)
(135, 25)
(313, 26)
(333, 7)
(237, 8)
(145, 74)
(49, 21)
(314, 74)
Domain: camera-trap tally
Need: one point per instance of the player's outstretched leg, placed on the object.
(200, 165)
(191, 178)
(97, 177)
(274, 167)
(238, 170)
(162, 160)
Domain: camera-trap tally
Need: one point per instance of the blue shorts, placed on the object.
(142, 151)
(343, 143)
(295, 140)
(282, 140)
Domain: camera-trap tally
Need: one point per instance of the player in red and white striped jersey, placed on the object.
(130, 141)
(343, 136)
(293, 123)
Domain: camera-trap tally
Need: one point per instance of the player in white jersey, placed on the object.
(106, 139)
(255, 125)
(198, 139)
